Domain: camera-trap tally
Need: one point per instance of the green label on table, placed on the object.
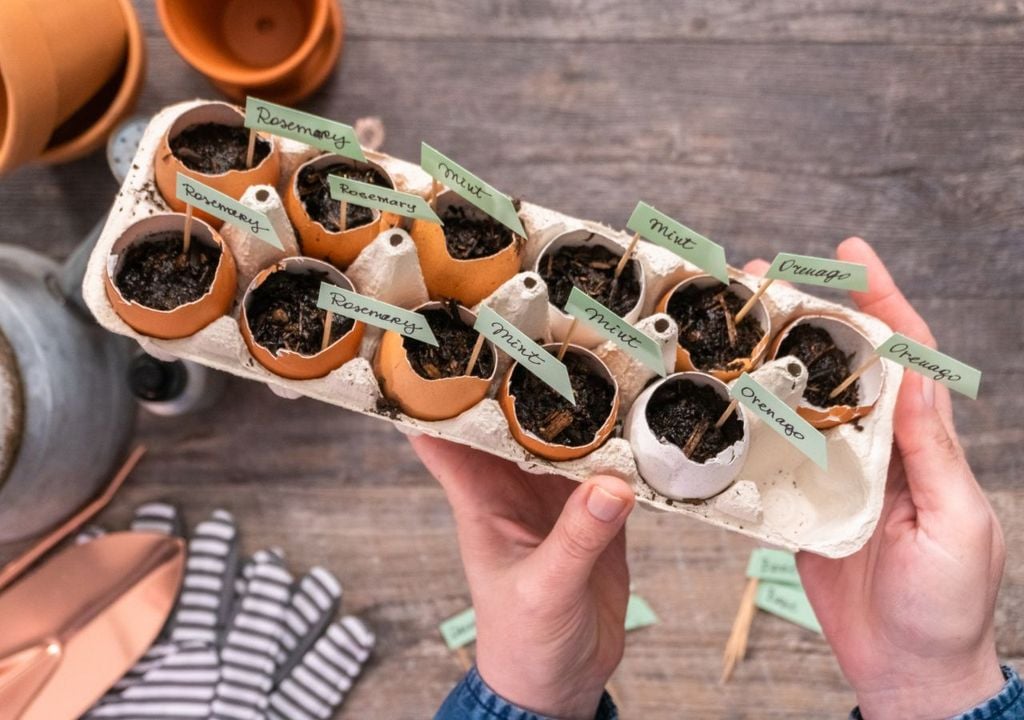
(776, 566)
(931, 363)
(789, 603)
(374, 312)
(660, 229)
(459, 630)
(604, 321)
(639, 614)
(781, 418)
(524, 351)
(375, 196)
(333, 137)
(205, 198)
(819, 271)
(486, 197)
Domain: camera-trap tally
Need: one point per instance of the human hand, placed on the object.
(910, 616)
(545, 558)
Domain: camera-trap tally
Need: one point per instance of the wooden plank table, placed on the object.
(783, 124)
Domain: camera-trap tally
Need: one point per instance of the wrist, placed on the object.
(555, 696)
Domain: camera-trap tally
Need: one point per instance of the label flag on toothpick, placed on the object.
(604, 321)
(333, 137)
(486, 197)
(375, 196)
(819, 271)
(771, 565)
(788, 602)
(205, 198)
(931, 363)
(375, 312)
(660, 229)
(524, 351)
(781, 418)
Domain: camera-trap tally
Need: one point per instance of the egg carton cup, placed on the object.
(780, 497)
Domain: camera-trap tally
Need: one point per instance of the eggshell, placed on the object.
(665, 467)
(288, 363)
(338, 248)
(183, 320)
(420, 397)
(683, 360)
(556, 451)
(233, 182)
(560, 321)
(853, 342)
(468, 281)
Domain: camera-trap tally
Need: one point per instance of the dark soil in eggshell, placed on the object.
(455, 345)
(283, 314)
(591, 268)
(684, 414)
(827, 365)
(156, 274)
(212, 148)
(469, 238)
(707, 327)
(315, 194)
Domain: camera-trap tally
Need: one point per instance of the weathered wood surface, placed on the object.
(785, 124)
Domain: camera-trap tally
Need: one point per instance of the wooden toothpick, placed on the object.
(251, 152)
(626, 255)
(186, 234)
(475, 355)
(568, 337)
(728, 411)
(736, 646)
(753, 300)
(853, 376)
(695, 437)
(435, 188)
(328, 324)
(343, 215)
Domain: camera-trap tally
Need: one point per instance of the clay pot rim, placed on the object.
(165, 141)
(438, 305)
(517, 247)
(293, 188)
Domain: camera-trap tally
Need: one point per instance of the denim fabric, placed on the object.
(472, 699)
(1007, 705)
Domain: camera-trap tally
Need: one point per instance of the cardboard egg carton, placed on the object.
(780, 497)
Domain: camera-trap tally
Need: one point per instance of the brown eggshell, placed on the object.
(338, 248)
(233, 182)
(683, 360)
(468, 281)
(555, 451)
(853, 342)
(186, 319)
(290, 364)
(418, 396)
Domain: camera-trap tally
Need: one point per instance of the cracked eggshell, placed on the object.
(183, 320)
(554, 451)
(290, 364)
(342, 247)
(683, 360)
(467, 280)
(233, 182)
(421, 397)
(559, 320)
(665, 467)
(860, 349)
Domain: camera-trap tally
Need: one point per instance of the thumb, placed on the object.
(591, 519)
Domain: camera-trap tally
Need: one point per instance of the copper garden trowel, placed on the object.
(72, 627)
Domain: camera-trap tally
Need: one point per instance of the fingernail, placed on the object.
(603, 505)
(928, 392)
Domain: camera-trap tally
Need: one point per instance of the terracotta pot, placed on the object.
(468, 281)
(554, 451)
(233, 182)
(423, 398)
(186, 319)
(759, 312)
(288, 363)
(854, 343)
(339, 248)
(280, 50)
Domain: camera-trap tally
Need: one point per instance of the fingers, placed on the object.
(472, 480)
(758, 266)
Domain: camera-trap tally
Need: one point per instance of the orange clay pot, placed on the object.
(186, 319)
(760, 313)
(468, 281)
(342, 247)
(854, 343)
(420, 397)
(279, 50)
(233, 182)
(554, 451)
(290, 364)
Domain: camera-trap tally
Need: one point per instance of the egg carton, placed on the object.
(780, 497)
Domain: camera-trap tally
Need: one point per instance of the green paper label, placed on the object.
(789, 603)
(524, 351)
(660, 229)
(375, 196)
(931, 363)
(374, 312)
(486, 197)
(781, 418)
(604, 321)
(777, 566)
(819, 271)
(205, 198)
(459, 630)
(639, 614)
(333, 137)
